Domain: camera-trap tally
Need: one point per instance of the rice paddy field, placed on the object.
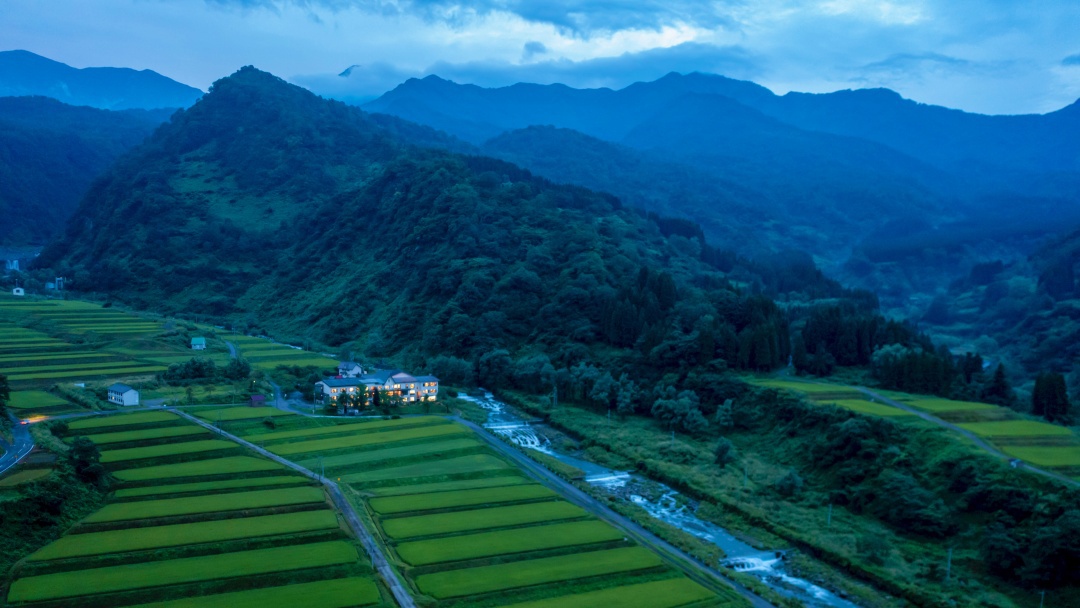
(266, 355)
(467, 528)
(188, 526)
(1044, 445)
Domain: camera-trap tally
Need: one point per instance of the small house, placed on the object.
(198, 344)
(258, 401)
(18, 291)
(350, 369)
(122, 394)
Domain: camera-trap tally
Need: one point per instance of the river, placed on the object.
(665, 504)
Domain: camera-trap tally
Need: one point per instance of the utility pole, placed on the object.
(828, 522)
(1042, 598)
(948, 566)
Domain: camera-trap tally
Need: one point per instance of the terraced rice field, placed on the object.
(241, 413)
(35, 400)
(864, 406)
(168, 449)
(266, 355)
(1051, 456)
(229, 532)
(668, 593)
(470, 528)
(1016, 428)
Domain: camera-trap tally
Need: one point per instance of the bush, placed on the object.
(790, 485)
(725, 452)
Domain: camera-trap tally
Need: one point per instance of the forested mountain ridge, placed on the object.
(886, 193)
(49, 154)
(23, 73)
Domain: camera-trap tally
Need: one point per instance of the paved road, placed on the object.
(22, 445)
(978, 441)
(374, 551)
(674, 556)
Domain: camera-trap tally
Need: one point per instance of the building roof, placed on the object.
(348, 364)
(382, 375)
(199, 341)
(403, 377)
(120, 388)
(343, 382)
(426, 379)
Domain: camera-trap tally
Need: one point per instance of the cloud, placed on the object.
(568, 16)
(532, 49)
(366, 82)
(1071, 60)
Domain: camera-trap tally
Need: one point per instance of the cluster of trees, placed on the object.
(1050, 399)
(202, 370)
(5, 396)
(384, 402)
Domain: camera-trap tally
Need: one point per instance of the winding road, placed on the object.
(23, 444)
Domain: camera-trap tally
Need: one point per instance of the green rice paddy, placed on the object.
(337, 593)
(505, 542)
(1016, 428)
(863, 406)
(22, 400)
(169, 507)
(232, 465)
(352, 427)
(211, 486)
(147, 434)
(668, 593)
(449, 486)
(485, 579)
(159, 537)
(474, 463)
(464, 498)
(24, 476)
(366, 439)
(410, 451)
(479, 519)
(1052, 456)
(175, 571)
(99, 422)
(168, 449)
(241, 413)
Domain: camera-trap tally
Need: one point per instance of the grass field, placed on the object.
(668, 593)
(472, 581)
(450, 486)
(119, 371)
(23, 400)
(937, 404)
(193, 505)
(233, 465)
(867, 407)
(24, 476)
(212, 486)
(1016, 428)
(168, 449)
(146, 434)
(141, 539)
(87, 424)
(366, 439)
(479, 519)
(463, 498)
(391, 453)
(337, 593)
(518, 540)
(474, 463)
(242, 413)
(809, 388)
(1057, 456)
(186, 570)
(96, 368)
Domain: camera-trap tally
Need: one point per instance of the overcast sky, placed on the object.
(990, 56)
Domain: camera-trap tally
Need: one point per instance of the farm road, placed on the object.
(978, 441)
(378, 559)
(695, 570)
(15, 452)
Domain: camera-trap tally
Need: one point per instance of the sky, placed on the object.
(987, 56)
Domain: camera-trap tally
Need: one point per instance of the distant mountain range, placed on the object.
(50, 152)
(887, 193)
(23, 73)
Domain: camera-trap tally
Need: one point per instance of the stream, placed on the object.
(766, 565)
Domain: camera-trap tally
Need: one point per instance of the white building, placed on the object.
(122, 394)
(350, 369)
(18, 291)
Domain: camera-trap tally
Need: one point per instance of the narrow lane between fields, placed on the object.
(372, 548)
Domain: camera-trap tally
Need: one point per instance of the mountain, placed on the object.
(265, 203)
(50, 152)
(886, 193)
(23, 73)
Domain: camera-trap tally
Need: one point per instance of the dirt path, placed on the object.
(372, 548)
(674, 556)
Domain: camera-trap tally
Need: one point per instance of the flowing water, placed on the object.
(768, 566)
